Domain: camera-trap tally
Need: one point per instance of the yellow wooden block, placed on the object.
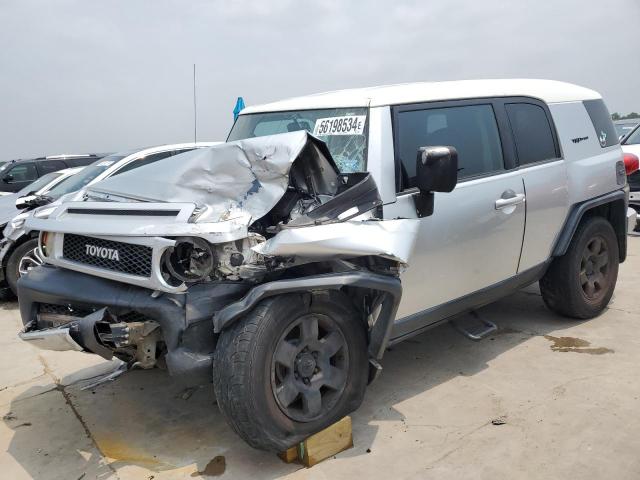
(290, 455)
(326, 443)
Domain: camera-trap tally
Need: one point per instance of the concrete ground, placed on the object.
(543, 398)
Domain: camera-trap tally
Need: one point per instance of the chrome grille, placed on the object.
(132, 259)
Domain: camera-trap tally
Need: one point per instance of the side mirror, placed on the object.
(32, 201)
(7, 178)
(21, 203)
(436, 171)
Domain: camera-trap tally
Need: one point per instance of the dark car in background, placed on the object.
(624, 127)
(17, 174)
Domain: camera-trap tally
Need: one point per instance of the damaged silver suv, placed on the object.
(327, 228)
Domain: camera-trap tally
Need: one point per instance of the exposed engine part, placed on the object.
(237, 260)
(137, 340)
(306, 205)
(190, 260)
(146, 348)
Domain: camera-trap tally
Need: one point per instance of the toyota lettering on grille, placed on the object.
(102, 252)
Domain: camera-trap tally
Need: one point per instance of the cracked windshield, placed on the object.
(342, 129)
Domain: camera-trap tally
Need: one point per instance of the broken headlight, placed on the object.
(190, 260)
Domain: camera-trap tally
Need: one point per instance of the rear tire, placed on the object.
(580, 283)
(294, 365)
(25, 251)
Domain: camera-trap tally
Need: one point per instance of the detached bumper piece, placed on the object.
(57, 339)
(101, 333)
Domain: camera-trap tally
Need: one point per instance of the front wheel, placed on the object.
(25, 257)
(580, 283)
(293, 366)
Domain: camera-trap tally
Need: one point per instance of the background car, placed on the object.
(624, 127)
(631, 149)
(41, 186)
(18, 248)
(17, 174)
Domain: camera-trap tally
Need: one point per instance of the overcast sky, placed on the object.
(80, 75)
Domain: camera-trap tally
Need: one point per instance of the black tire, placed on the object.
(12, 272)
(246, 371)
(580, 283)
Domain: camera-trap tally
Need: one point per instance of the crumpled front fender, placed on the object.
(379, 333)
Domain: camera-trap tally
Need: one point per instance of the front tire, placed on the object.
(294, 365)
(580, 283)
(22, 259)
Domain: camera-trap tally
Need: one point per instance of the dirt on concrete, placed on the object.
(519, 404)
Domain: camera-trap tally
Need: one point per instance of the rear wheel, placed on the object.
(25, 257)
(580, 283)
(294, 365)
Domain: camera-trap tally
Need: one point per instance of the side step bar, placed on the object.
(474, 330)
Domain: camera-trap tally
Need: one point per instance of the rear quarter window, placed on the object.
(601, 120)
(532, 132)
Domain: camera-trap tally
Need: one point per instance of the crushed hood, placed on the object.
(241, 180)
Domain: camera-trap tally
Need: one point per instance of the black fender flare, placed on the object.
(379, 333)
(577, 213)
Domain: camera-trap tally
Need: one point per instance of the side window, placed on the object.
(601, 120)
(80, 161)
(532, 132)
(23, 172)
(154, 157)
(471, 129)
(48, 166)
(182, 150)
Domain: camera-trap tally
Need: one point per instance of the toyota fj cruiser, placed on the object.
(328, 228)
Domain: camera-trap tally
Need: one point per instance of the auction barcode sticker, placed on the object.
(350, 125)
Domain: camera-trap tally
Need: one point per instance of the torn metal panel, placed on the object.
(392, 239)
(237, 180)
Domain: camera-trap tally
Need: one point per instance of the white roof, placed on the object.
(550, 91)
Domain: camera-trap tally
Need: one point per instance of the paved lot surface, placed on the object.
(565, 396)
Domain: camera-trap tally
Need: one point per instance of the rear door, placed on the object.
(545, 177)
(473, 240)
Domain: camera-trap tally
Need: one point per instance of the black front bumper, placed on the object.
(185, 319)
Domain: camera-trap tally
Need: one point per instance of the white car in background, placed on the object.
(18, 248)
(8, 202)
(631, 148)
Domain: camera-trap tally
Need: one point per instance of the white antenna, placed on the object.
(195, 112)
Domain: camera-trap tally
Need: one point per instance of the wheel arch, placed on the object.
(19, 241)
(376, 296)
(612, 206)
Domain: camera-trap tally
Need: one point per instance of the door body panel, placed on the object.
(465, 246)
(547, 209)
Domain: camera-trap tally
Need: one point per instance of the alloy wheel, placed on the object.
(594, 269)
(30, 260)
(309, 367)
